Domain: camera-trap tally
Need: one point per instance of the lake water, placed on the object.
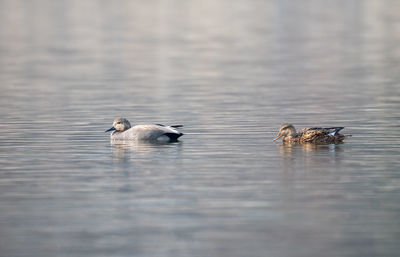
(232, 72)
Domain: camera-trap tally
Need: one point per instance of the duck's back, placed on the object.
(321, 135)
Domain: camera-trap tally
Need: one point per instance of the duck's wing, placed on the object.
(172, 126)
(322, 135)
(170, 131)
(311, 134)
(333, 131)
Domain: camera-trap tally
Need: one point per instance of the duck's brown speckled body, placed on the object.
(310, 135)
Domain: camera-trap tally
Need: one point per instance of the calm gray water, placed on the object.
(232, 72)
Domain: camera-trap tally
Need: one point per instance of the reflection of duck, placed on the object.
(310, 157)
(122, 130)
(290, 147)
(124, 150)
(310, 135)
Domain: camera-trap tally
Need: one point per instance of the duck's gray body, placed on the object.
(147, 133)
(122, 130)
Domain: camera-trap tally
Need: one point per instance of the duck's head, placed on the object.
(286, 130)
(120, 124)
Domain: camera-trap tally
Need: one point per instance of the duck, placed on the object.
(315, 135)
(122, 130)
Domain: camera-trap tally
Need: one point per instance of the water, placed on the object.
(232, 72)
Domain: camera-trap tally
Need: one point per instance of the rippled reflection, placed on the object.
(232, 72)
(310, 157)
(125, 150)
(291, 148)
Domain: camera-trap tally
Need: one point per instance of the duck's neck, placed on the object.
(116, 132)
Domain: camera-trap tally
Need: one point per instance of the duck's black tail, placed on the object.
(173, 137)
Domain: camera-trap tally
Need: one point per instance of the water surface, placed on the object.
(232, 72)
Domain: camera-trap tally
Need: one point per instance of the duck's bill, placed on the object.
(279, 136)
(111, 129)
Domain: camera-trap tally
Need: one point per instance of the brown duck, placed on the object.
(310, 135)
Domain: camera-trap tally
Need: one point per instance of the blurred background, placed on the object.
(232, 72)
